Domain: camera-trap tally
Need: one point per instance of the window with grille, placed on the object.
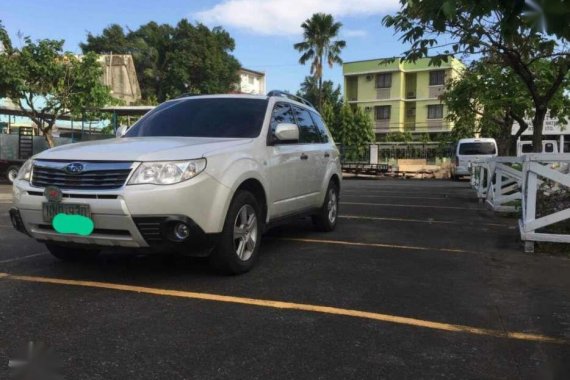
(384, 80)
(383, 112)
(435, 111)
(437, 78)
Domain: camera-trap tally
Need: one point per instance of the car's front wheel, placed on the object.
(66, 253)
(239, 243)
(325, 220)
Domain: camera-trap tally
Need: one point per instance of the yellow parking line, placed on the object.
(378, 245)
(424, 221)
(408, 205)
(296, 306)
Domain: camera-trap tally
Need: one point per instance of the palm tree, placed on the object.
(318, 45)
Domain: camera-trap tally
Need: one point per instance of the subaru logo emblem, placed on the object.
(74, 168)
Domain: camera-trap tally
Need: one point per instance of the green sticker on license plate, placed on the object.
(73, 224)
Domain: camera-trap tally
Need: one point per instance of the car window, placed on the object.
(320, 127)
(281, 114)
(308, 132)
(475, 148)
(549, 148)
(527, 148)
(203, 117)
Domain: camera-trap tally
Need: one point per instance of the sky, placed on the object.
(264, 30)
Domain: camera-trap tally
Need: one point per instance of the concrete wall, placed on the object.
(120, 75)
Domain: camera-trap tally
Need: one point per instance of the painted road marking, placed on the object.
(400, 205)
(430, 221)
(330, 310)
(378, 245)
(394, 196)
(13, 260)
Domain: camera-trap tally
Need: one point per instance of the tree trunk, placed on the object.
(537, 124)
(320, 105)
(49, 138)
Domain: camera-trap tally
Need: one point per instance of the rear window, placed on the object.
(476, 148)
(206, 117)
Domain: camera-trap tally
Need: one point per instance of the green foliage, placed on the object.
(331, 95)
(47, 83)
(502, 30)
(399, 137)
(319, 47)
(351, 128)
(173, 60)
(486, 99)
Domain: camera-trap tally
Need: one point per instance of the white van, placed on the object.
(548, 146)
(468, 151)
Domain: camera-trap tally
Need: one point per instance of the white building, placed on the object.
(251, 82)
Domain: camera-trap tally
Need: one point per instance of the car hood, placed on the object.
(140, 149)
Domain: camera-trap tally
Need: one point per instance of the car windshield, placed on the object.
(474, 148)
(203, 117)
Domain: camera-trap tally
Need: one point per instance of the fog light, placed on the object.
(181, 231)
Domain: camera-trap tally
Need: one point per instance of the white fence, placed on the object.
(552, 171)
(502, 182)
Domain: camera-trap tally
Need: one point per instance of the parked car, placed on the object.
(469, 150)
(9, 169)
(200, 175)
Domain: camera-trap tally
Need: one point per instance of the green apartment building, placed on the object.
(400, 96)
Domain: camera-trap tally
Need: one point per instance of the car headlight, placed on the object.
(25, 171)
(167, 172)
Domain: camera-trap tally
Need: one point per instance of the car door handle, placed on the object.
(304, 156)
(327, 155)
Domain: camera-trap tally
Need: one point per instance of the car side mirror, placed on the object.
(286, 132)
(121, 131)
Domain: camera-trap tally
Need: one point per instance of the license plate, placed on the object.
(51, 209)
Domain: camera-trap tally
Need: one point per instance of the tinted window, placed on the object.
(206, 117)
(549, 147)
(527, 148)
(281, 114)
(320, 127)
(308, 132)
(468, 149)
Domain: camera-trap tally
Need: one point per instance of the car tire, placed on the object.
(65, 253)
(327, 216)
(12, 173)
(238, 247)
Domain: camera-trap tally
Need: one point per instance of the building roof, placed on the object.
(252, 71)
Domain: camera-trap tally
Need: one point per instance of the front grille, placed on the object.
(150, 228)
(95, 176)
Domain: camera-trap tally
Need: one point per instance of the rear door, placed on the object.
(326, 153)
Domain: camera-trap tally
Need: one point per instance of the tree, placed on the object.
(171, 61)
(352, 128)
(501, 29)
(331, 95)
(47, 84)
(319, 47)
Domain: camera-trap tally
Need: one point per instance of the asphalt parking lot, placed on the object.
(418, 281)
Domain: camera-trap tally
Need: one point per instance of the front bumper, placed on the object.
(119, 215)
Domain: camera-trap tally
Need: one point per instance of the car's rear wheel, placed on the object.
(327, 216)
(12, 173)
(68, 253)
(238, 248)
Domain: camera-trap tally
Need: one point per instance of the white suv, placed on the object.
(201, 175)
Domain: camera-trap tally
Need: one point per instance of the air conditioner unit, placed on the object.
(369, 77)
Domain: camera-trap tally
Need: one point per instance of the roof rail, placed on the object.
(285, 94)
